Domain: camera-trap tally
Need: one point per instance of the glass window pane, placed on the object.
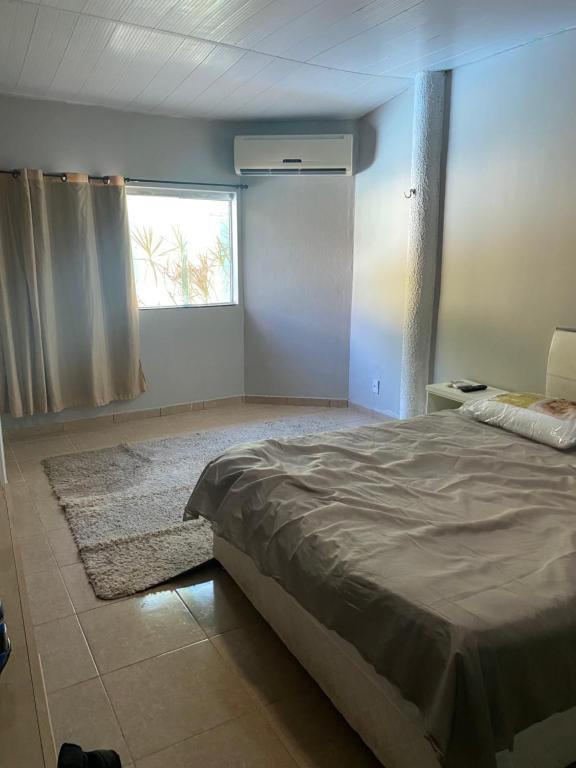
(182, 248)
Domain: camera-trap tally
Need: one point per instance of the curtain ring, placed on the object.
(15, 174)
(106, 179)
(64, 177)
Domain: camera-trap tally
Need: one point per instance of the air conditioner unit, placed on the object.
(328, 154)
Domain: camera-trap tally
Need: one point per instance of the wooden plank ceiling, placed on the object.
(253, 59)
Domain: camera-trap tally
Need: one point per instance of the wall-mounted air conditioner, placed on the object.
(328, 154)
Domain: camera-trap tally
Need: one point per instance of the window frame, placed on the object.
(191, 192)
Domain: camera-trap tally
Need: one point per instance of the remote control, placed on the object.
(472, 387)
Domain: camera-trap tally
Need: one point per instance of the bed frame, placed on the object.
(391, 726)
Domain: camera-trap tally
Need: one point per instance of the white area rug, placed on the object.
(125, 504)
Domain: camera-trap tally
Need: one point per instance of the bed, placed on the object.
(424, 572)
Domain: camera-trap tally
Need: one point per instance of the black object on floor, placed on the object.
(73, 756)
(5, 647)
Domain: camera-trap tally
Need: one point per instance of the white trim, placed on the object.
(3, 472)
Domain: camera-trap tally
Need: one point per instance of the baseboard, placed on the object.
(373, 412)
(74, 425)
(319, 402)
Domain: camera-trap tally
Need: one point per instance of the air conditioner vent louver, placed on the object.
(324, 171)
(292, 172)
(313, 155)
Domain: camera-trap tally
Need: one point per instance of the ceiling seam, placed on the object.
(336, 21)
(197, 38)
(318, 4)
(186, 76)
(113, 27)
(514, 47)
(128, 63)
(64, 52)
(29, 43)
(266, 89)
(167, 96)
(220, 76)
(251, 16)
(246, 82)
(363, 32)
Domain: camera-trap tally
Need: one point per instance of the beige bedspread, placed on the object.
(442, 548)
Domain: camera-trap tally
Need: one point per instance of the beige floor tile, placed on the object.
(10, 590)
(24, 517)
(169, 426)
(63, 546)
(80, 590)
(217, 603)
(187, 423)
(30, 433)
(31, 451)
(4, 524)
(89, 425)
(82, 714)
(137, 415)
(18, 669)
(20, 745)
(100, 438)
(175, 696)
(139, 628)
(47, 596)
(51, 513)
(36, 554)
(316, 734)
(33, 471)
(13, 471)
(263, 662)
(247, 741)
(64, 653)
(171, 410)
(204, 699)
(144, 432)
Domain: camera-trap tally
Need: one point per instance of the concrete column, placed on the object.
(423, 239)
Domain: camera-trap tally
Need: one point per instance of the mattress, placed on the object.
(391, 726)
(440, 548)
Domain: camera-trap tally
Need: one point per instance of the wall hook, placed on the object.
(411, 193)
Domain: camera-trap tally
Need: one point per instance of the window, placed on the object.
(183, 246)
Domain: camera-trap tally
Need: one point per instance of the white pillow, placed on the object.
(551, 421)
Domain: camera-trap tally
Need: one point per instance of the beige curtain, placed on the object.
(68, 312)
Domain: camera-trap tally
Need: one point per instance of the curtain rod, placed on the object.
(129, 180)
(15, 173)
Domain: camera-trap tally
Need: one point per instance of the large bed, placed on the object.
(424, 572)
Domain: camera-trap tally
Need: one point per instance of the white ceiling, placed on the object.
(261, 59)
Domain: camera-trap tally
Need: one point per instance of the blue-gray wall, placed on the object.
(199, 353)
(380, 242)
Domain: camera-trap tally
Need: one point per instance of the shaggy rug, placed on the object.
(124, 504)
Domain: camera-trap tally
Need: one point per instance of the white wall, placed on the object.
(187, 353)
(380, 242)
(199, 353)
(298, 276)
(509, 259)
(508, 272)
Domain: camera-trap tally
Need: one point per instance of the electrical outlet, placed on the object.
(376, 386)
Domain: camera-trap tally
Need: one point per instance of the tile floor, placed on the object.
(184, 675)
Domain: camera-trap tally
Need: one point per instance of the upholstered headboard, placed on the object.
(561, 371)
